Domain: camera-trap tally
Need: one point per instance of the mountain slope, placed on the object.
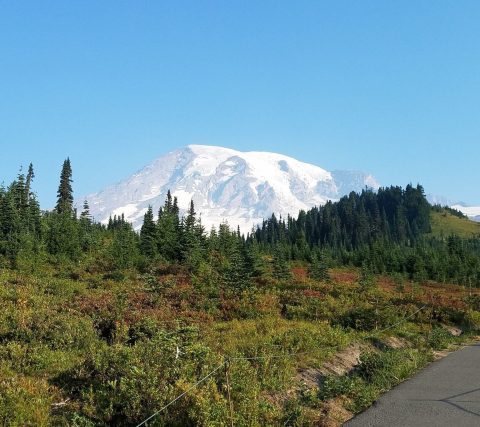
(225, 184)
(473, 212)
(445, 224)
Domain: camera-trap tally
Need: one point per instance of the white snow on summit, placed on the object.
(241, 188)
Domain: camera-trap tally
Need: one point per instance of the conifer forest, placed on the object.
(178, 325)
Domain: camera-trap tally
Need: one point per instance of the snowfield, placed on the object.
(242, 188)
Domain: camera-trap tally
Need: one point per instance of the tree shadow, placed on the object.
(455, 403)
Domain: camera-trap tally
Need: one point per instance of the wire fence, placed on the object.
(228, 360)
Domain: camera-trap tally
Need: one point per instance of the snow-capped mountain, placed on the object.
(473, 212)
(242, 188)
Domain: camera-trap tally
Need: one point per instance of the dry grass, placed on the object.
(445, 224)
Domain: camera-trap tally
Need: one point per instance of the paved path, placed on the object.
(446, 393)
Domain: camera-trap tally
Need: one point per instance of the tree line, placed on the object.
(385, 232)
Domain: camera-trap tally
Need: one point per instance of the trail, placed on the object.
(446, 393)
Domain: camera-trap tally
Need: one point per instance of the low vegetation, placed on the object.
(78, 349)
(304, 322)
(446, 224)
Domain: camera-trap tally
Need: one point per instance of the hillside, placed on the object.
(445, 224)
(303, 323)
(82, 349)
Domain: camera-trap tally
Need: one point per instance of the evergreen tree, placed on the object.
(30, 176)
(86, 228)
(253, 259)
(168, 232)
(35, 220)
(281, 269)
(19, 193)
(318, 268)
(192, 238)
(148, 235)
(366, 279)
(124, 248)
(237, 275)
(85, 215)
(63, 236)
(65, 191)
(191, 219)
(10, 228)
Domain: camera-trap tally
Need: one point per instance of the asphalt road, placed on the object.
(446, 393)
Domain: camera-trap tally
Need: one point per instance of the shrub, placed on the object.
(472, 320)
(367, 318)
(439, 338)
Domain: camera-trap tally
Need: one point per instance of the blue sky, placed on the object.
(389, 87)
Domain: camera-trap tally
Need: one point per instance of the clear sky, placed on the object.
(388, 87)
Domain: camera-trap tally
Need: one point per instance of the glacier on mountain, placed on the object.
(241, 188)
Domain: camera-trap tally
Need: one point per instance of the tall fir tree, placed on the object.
(148, 235)
(10, 228)
(85, 215)
(192, 238)
(65, 191)
(30, 176)
(63, 236)
(237, 274)
(281, 269)
(168, 233)
(123, 249)
(87, 231)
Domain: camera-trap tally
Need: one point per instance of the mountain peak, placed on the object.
(240, 187)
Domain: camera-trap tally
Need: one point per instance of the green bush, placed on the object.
(367, 318)
(377, 373)
(439, 338)
(472, 320)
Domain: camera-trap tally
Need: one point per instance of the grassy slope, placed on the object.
(67, 355)
(445, 224)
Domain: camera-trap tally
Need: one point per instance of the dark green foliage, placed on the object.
(356, 220)
(454, 212)
(237, 273)
(168, 230)
(63, 235)
(20, 219)
(318, 268)
(368, 318)
(123, 250)
(10, 226)
(192, 239)
(281, 269)
(148, 235)
(387, 230)
(366, 280)
(439, 338)
(85, 215)
(88, 231)
(65, 191)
